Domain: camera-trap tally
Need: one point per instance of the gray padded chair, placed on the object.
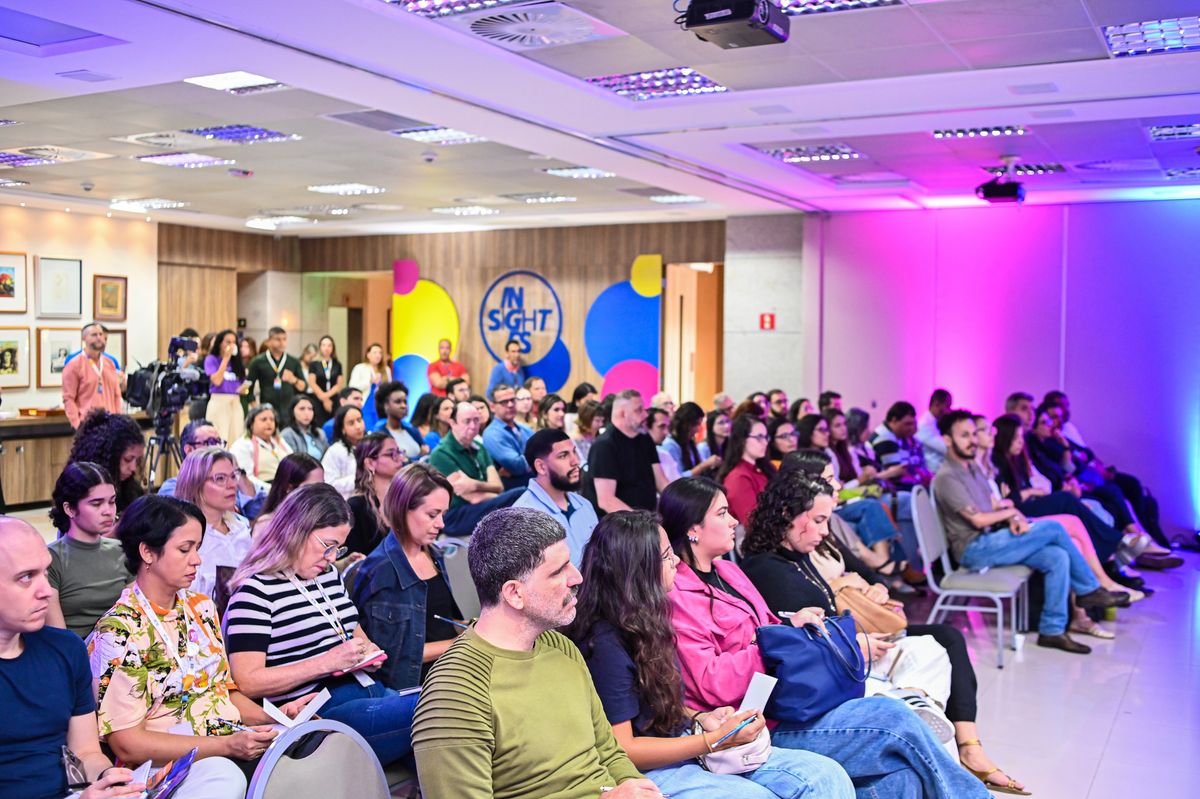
(462, 587)
(993, 585)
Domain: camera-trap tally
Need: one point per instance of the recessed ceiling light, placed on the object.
(805, 153)
(1170, 132)
(466, 210)
(539, 198)
(4, 123)
(184, 160)
(1154, 36)
(579, 172)
(242, 134)
(1186, 173)
(797, 7)
(1026, 170)
(656, 84)
(346, 189)
(275, 222)
(994, 131)
(448, 8)
(5, 183)
(236, 82)
(379, 207)
(15, 160)
(676, 199)
(339, 211)
(433, 134)
(142, 205)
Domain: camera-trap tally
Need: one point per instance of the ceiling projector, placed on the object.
(733, 24)
(999, 190)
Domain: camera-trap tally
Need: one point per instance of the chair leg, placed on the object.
(999, 632)
(1013, 607)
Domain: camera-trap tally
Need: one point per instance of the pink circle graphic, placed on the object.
(637, 375)
(404, 276)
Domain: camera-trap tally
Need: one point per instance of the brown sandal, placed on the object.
(982, 776)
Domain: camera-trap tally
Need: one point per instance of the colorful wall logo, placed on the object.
(422, 315)
(623, 330)
(524, 306)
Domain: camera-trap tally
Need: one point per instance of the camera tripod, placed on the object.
(163, 447)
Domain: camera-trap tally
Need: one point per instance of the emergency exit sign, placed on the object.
(766, 321)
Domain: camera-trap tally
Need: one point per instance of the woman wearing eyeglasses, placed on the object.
(291, 628)
(747, 469)
(783, 438)
(209, 480)
(378, 458)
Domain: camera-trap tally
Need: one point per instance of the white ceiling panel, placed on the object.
(918, 59)
(990, 19)
(1054, 47)
(1120, 12)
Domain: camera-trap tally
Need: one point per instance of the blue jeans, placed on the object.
(379, 714)
(888, 752)
(870, 520)
(908, 530)
(788, 773)
(1045, 548)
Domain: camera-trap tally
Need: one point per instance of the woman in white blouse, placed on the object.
(371, 372)
(259, 452)
(338, 461)
(208, 479)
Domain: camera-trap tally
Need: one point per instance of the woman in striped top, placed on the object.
(291, 628)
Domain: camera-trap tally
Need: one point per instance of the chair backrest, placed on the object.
(462, 587)
(335, 763)
(350, 575)
(930, 535)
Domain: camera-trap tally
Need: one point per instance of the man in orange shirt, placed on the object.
(91, 380)
(443, 370)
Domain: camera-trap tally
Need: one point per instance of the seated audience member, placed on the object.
(723, 402)
(114, 441)
(458, 390)
(401, 591)
(259, 452)
(827, 400)
(303, 434)
(1021, 404)
(686, 425)
(984, 532)
(658, 422)
(940, 401)
(746, 468)
(436, 421)
(485, 414)
(895, 445)
(858, 438)
(508, 372)
(38, 724)
(87, 569)
(441, 371)
(624, 462)
(421, 413)
(793, 562)
(208, 479)
(748, 407)
(505, 438)
(716, 613)
(777, 403)
(295, 470)
(378, 460)
(717, 425)
(664, 400)
(782, 437)
(623, 630)
(588, 423)
(551, 413)
(226, 375)
(852, 471)
(581, 394)
(469, 468)
(537, 389)
(338, 462)
(472, 733)
(391, 404)
(553, 489)
(372, 371)
(160, 665)
(347, 396)
(759, 398)
(525, 407)
(801, 408)
(291, 628)
(812, 432)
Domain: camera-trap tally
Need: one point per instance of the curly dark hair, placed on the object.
(786, 497)
(73, 485)
(103, 438)
(622, 586)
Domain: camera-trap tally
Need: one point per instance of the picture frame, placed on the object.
(54, 345)
(14, 282)
(14, 357)
(59, 287)
(110, 298)
(117, 347)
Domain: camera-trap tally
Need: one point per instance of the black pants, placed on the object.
(1113, 500)
(1104, 538)
(963, 685)
(1144, 506)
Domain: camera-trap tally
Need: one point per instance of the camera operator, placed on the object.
(277, 375)
(91, 380)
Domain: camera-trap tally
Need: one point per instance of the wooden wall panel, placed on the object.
(195, 296)
(226, 249)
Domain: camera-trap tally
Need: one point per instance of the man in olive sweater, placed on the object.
(510, 710)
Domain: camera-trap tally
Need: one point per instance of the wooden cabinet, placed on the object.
(29, 467)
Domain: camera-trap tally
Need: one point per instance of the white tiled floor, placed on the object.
(1121, 722)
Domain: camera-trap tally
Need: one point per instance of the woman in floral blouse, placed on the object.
(163, 675)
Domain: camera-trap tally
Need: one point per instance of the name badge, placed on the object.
(230, 375)
(278, 384)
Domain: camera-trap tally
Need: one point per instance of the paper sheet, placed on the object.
(304, 715)
(759, 692)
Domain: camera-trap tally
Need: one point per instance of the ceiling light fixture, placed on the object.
(242, 134)
(274, 222)
(970, 133)
(141, 206)
(656, 84)
(236, 82)
(539, 198)
(16, 160)
(434, 134)
(798, 7)
(676, 199)
(579, 173)
(466, 210)
(449, 8)
(806, 153)
(1172, 132)
(4, 123)
(1154, 36)
(5, 183)
(346, 189)
(1186, 173)
(1025, 170)
(184, 160)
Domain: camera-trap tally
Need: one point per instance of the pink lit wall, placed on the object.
(1100, 300)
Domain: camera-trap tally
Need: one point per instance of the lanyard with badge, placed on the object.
(327, 368)
(189, 661)
(277, 368)
(98, 366)
(329, 611)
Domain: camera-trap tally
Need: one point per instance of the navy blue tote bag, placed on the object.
(818, 668)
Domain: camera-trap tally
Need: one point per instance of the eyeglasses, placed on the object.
(759, 437)
(394, 454)
(222, 480)
(669, 556)
(792, 434)
(509, 401)
(337, 551)
(210, 442)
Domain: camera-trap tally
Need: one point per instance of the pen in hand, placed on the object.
(458, 624)
(734, 731)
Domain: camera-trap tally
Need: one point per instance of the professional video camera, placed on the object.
(164, 388)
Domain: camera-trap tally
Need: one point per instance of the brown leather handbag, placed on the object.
(887, 618)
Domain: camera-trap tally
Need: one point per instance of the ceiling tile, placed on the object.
(865, 29)
(604, 57)
(893, 62)
(798, 71)
(989, 19)
(1035, 48)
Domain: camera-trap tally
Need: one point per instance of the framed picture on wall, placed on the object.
(54, 345)
(109, 298)
(116, 347)
(14, 282)
(14, 357)
(59, 287)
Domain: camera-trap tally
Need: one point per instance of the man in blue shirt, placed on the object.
(505, 440)
(552, 456)
(508, 372)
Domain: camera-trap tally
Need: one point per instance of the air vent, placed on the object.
(374, 119)
(1052, 113)
(48, 154)
(86, 75)
(169, 140)
(868, 180)
(534, 26)
(1132, 165)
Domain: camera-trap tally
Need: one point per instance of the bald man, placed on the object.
(45, 685)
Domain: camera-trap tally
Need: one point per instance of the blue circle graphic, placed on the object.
(411, 370)
(622, 325)
(554, 368)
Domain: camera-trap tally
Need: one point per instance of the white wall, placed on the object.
(271, 298)
(107, 247)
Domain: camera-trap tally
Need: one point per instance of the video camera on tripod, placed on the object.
(163, 389)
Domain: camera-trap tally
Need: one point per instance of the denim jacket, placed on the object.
(390, 598)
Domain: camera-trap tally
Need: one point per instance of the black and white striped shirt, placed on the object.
(269, 614)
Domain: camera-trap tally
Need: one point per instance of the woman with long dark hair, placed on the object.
(783, 436)
(295, 470)
(226, 372)
(745, 468)
(432, 418)
(686, 424)
(551, 413)
(303, 434)
(114, 441)
(801, 408)
(623, 629)
(716, 612)
(338, 461)
(716, 434)
(377, 459)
